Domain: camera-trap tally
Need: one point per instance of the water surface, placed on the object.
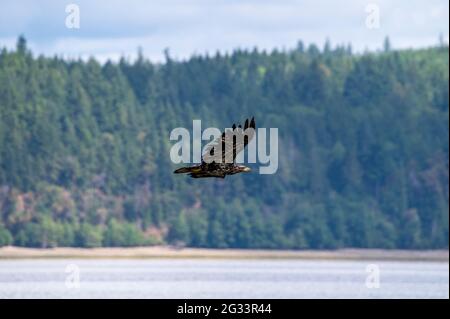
(208, 278)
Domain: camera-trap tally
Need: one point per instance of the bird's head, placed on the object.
(244, 169)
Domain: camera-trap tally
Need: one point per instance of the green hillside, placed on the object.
(363, 153)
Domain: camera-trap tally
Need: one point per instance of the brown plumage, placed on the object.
(218, 160)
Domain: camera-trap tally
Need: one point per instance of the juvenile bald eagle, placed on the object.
(238, 137)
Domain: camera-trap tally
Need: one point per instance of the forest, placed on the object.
(363, 149)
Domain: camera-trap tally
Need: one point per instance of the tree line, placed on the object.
(363, 150)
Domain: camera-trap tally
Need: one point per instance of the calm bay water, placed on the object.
(204, 278)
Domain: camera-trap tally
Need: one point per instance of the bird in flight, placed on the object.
(214, 166)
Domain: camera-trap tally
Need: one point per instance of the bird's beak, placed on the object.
(246, 169)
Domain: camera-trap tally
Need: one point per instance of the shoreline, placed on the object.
(11, 252)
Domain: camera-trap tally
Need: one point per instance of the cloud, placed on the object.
(110, 29)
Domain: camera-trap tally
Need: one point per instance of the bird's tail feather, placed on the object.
(182, 170)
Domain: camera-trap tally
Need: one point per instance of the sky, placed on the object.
(110, 29)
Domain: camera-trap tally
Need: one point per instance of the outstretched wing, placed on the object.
(238, 137)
